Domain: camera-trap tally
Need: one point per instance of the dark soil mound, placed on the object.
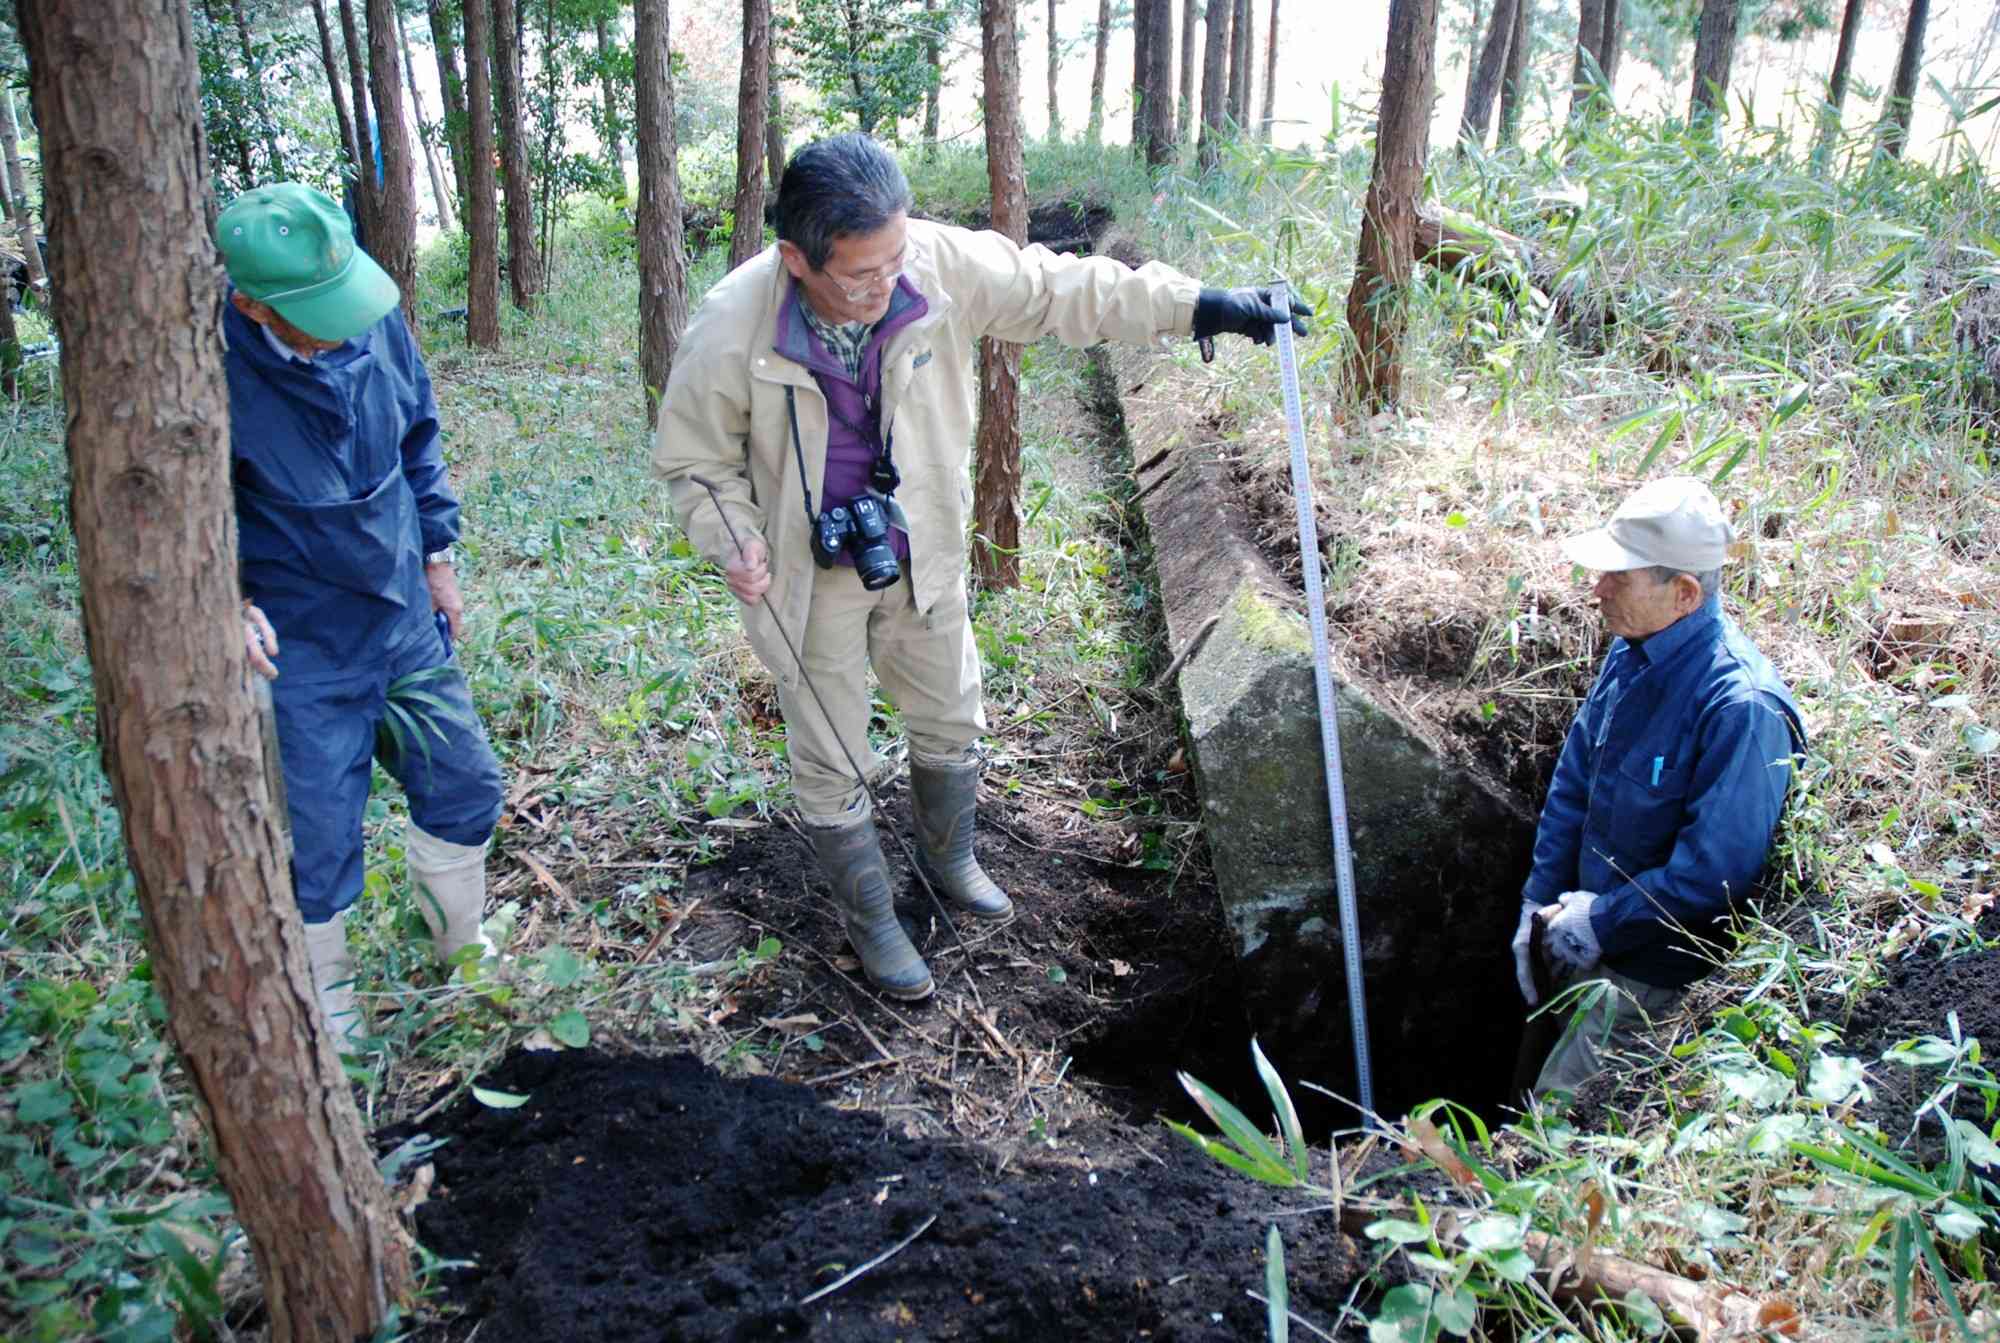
(655, 1199)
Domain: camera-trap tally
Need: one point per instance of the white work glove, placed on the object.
(1571, 941)
(1524, 969)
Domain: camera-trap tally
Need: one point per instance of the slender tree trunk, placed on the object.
(552, 138)
(17, 200)
(1270, 117)
(482, 206)
(753, 101)
(524, 270)
(614, 148)
(662, 265)
(114, 86)
(1215, 83)
(258, 98)
(367, 186)
(1142, 40)
(445, 44)
(1486, 74)
(1611, 47)
(10, 335)
(1159, 97)
(1514, 83)
(1714, 45)
(394, 247)
(1589, 37)
(335, 85)
(424, 136)
(1093, 130)
(1903, 94)
(1836, 83)
(1387, 250)
(774, 136)
(1242, 55)
(1055, 69)
(934, 59)
(997, 456)
(1185, 109)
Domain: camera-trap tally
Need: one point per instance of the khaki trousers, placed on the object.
(927, 662)
(1609, 1019)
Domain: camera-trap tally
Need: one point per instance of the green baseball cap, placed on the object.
(292, 247)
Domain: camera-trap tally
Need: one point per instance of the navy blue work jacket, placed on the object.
(340, 492)
(1669, 788)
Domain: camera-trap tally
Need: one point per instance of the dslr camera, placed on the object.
(860, 527)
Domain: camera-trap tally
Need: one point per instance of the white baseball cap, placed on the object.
(1674, 522)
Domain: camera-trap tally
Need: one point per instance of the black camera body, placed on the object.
(861, 528)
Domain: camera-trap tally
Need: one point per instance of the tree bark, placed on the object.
(1836, 83)
(445, 45)
(524, 266)
(1387, 250)
(335, 84)
(614, 148)
(753, 101)
(1266, 122)
(1093, 130)
(446, 221)
(482, 207)
(394, 246)
(1485, 83)
(997, 455)
(274, 159)
(1055, 69)
(114, 89)
(1903, 93)
(1611, 45)
(1159, 100)
(1714, 45)
(662, 265)
(1242, 51)
(1142, 40)
(1514, 83)
(1184, 110)
(1215, 83)
(17, 201)
(10, 335)
(367, 186)
(774, 136)
(934, 59)
(1589, 37)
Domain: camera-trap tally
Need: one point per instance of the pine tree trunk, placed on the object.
(367, 185)
(1611, 47)
(17, 201)
(1514, 83)
(1270, 117)
(1055, 69)
(335, 84)
(424, 136)
(1215, 83)
(774, 137)
(1093, 130)
(1185, 109)
(445, 44)
(1486, 74)
(394, 246)
(997, 455)
(1242, 53)
(1387, 250)
(614, 148)
(114, 86)
(10, 335)
(1589, 37)
(934, 62)
(482, 205)
(274, 159)
(662, 266)
(1836, 83)
(1903, 94)
(1142, 39)
(753, 102)
(1714, 46)
(1159, 100)
(524, 269)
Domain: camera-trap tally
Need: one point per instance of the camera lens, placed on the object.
(874, 560)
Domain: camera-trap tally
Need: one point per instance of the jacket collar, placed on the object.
(1697, 626)
(920, 273)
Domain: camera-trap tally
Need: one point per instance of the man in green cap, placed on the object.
(345, 523)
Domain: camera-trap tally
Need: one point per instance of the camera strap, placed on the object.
(798, 450)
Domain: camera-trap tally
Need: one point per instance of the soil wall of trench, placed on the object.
(1439, 846)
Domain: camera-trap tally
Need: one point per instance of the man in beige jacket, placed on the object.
(826, 387)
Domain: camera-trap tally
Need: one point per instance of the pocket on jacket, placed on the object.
(1647, 812)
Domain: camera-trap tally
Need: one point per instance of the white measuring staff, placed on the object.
(1329, 723)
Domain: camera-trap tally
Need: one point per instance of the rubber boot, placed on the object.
(450, 885)
(851, 857)
(945, 799)
(333, 978)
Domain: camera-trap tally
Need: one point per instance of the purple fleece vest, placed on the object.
(854, 422)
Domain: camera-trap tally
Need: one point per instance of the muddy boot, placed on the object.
(944, 799)
(449, 881)
(851, 857)
(333, 979)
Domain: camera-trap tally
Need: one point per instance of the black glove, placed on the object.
(1244, 312)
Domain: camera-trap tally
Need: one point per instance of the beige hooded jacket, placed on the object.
(724, 412)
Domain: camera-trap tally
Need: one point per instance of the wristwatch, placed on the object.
(437, 557)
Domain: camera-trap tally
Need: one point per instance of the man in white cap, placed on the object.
(1669, 788)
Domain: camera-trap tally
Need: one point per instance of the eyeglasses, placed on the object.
(866, 285)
